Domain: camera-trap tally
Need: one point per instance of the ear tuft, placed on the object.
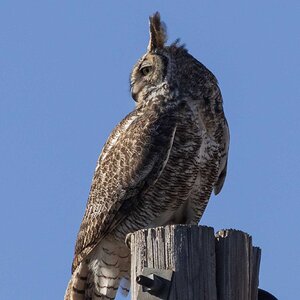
(158, 33)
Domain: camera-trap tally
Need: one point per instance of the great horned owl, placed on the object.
(159, 165)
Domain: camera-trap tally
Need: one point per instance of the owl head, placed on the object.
(165, 69)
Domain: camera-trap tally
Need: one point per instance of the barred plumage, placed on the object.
(159, 165)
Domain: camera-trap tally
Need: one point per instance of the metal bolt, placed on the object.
(150, 283)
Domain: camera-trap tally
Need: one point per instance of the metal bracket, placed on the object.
(155, 284)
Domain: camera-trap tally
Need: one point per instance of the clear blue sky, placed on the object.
(64, 74)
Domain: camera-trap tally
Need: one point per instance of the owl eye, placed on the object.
(146, 70)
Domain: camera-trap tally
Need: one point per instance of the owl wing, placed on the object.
(224, 147)
(132, 160)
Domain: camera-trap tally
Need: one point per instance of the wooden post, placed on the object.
(205, 267)
(237, 266)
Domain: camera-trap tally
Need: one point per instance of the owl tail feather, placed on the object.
(99, 277)
(76, 289)
(80, 287)
(109, 264)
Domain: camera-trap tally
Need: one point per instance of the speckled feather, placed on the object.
(159, 165)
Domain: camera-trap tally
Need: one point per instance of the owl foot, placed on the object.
(128, 240)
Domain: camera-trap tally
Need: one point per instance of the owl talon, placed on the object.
(128, 240)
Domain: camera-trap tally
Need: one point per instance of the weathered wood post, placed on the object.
(199, 264)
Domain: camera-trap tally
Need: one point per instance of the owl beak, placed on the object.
(134, 94)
